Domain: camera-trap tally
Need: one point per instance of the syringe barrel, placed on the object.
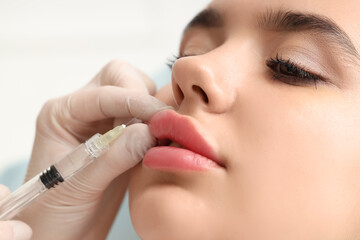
(74, 162)
(18, 200)
(82, 156)
(78, 159)
(12, 204)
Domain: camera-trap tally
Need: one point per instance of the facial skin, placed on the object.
(291, 149)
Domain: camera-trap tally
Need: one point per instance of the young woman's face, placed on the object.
(274, 89)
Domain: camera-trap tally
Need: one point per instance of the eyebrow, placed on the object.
(207, 18)
(285, 21)
(289, 21)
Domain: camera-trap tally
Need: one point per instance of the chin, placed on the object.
(161, 209)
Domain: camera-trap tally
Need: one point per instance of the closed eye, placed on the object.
(291, 73)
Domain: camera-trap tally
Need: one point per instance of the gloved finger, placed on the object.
(127, 121)
(122, 74)
(124, 153)
(95, 104)
(14, 230)
(4, 191)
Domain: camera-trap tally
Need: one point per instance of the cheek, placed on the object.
(165, 94)
(297, 158)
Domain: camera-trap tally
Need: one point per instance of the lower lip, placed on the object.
(172, 158)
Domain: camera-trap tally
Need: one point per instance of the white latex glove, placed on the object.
(13, 230)
(85, 206)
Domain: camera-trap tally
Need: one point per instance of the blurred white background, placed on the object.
(51, 48)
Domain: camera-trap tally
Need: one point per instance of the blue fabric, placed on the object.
(14, 175)
(162, 76)
(122, 228)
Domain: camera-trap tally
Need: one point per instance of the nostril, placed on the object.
(178, 94)
(201, 92)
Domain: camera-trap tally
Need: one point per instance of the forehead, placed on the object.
(346, 13)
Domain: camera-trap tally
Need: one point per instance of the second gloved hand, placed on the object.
(13, 230)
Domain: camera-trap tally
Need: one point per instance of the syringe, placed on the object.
(57, 173)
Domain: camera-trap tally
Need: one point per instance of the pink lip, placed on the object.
(197, 154)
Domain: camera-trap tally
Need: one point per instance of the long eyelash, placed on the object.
(171, 60)
(295, 72)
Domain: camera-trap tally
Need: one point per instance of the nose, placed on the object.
(200, 81)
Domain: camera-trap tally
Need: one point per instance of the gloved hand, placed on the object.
(13, 230)
(85, 206)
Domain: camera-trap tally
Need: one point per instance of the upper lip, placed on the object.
(170, 125)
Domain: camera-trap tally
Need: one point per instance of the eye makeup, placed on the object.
(291, 73)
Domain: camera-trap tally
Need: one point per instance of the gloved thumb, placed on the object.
(124, 153)
(14, 230)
